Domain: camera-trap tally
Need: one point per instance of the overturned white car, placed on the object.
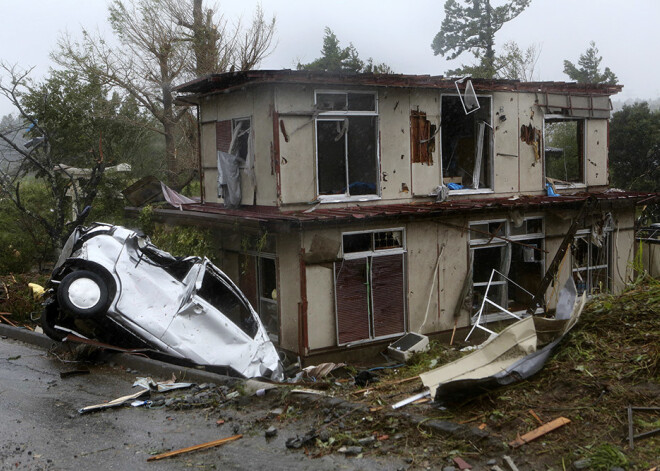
(112, 283)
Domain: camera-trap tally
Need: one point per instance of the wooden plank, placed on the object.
(538, 432)
(202, 446)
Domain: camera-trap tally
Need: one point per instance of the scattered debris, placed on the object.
(461, 463)
(130, 293)
(270, 432)
(540, 431)
(516, 353)
(631, 436)
(76, 372)
(114, 403)
(407, 345)
(202, 446)
(512, 466)
(161, 386)
(350, 450)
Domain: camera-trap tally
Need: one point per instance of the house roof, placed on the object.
(216, 83)
(274, 218)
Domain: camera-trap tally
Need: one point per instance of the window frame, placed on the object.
(368, 256)
(483, 242)
(589, 269)
(340, 115)
(470, 191)
(583, 170)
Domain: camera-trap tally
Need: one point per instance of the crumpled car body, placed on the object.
(114, 282)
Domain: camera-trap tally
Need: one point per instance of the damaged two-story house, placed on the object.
(353, 208)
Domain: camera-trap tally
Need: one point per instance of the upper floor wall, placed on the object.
(303, 143)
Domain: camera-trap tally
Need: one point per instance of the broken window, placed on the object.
(258, 281)
(223, 297)
(422, 138)
(347, 143)
(518, 261)
(369, 286)
(233, 145)
(467, 144)
(590, 254)
(564, 149)
(240, 138)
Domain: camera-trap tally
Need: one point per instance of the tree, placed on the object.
(589, 68)
(335, 59)
(66, 123)
(517, 64)
(634, 153)
(158, 41)
(472, 28)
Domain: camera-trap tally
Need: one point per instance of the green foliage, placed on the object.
(589, 68)
(607, 456)
(17, 298)
(635, 148)
(472, 28)
(336, 59)
(180, 241)
(24, 243)
(81, 129)
(564, 163)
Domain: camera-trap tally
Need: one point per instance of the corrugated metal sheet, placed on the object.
(321, 214)
(215, 83)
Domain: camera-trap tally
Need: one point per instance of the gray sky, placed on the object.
(396, 32)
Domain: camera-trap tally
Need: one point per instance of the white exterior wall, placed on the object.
(253, 103)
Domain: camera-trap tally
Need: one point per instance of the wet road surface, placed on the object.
(40, 427)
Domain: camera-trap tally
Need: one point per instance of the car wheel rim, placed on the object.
(84, 293)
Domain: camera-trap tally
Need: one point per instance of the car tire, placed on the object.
(83, 293)
(49, 318)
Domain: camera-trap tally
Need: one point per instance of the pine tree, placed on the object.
(589, 71)
(472, 28)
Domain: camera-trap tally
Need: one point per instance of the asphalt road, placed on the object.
(40, 427)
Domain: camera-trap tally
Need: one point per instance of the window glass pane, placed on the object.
(361, 102)
(388, 240)
(331, 142)
(563, 149)
(362, 156)
(331, 101)
(358, 242)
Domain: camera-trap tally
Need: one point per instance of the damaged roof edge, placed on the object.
(273, 219)
(231, 80)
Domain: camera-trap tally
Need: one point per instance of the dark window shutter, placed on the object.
(352, 305)
(388, 294)
(420, 130)
(223, 135)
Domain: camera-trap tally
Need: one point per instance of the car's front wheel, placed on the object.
(83, 293)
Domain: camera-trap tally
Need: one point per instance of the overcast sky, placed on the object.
(396, 32)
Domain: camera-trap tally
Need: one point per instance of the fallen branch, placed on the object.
(202, 446)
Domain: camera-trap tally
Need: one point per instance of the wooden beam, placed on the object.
(538, 432)
(202, 446)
